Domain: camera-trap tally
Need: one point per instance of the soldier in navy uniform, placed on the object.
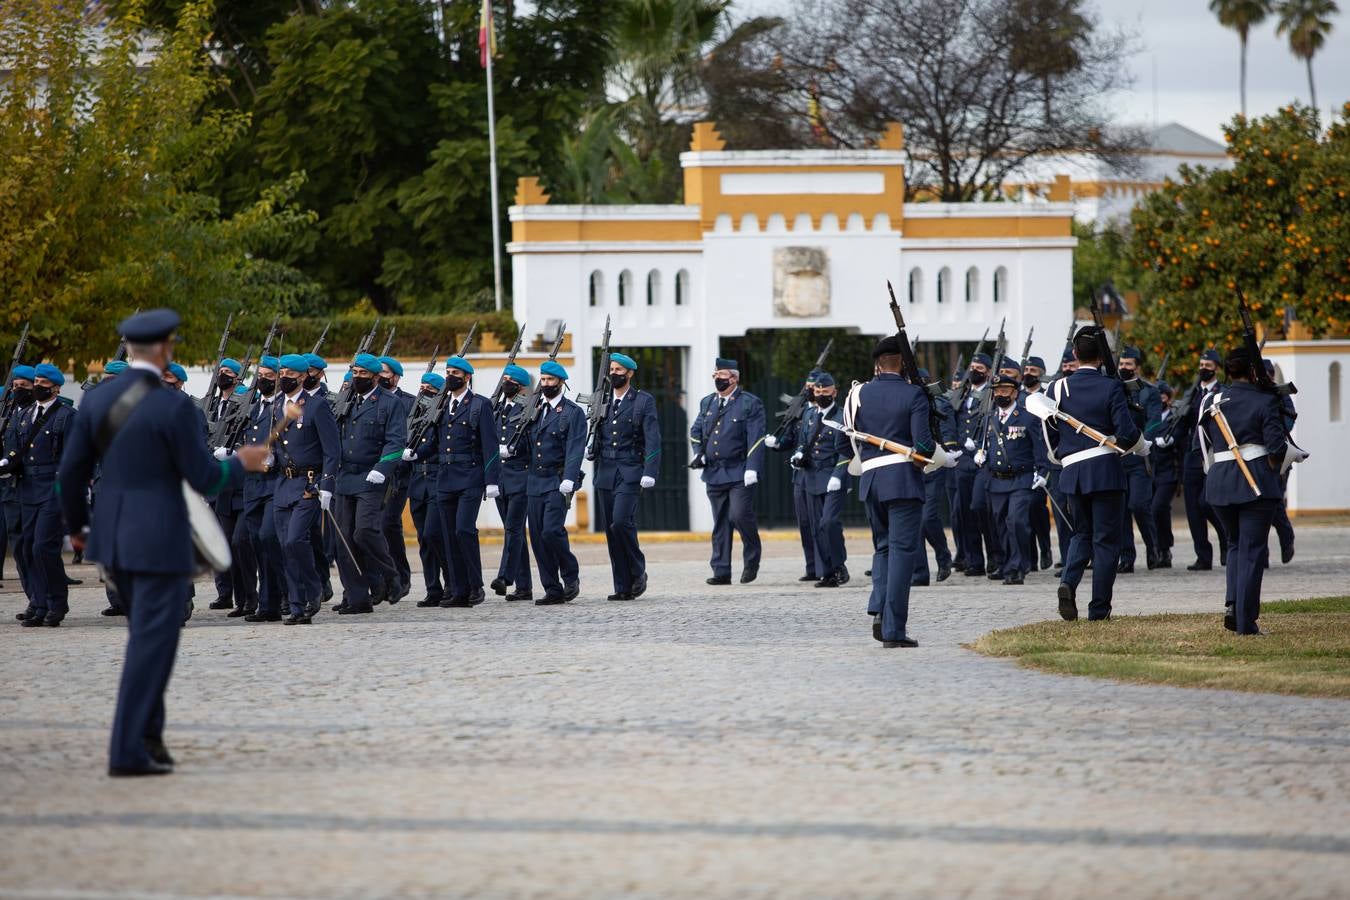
(21, 383)
(1166, 475)
(259, 520)
(373, 433)
(1284, 529)
(323, 542)
(1256, 420)
(426, 515)
(948, 477)
(1014, 456)
(43, 432)
(1032, 373)
(513, 581)
(728, 438)
(891, 408)
(140, 532)
(1093, 477)
(1199, 515)
(556, 443)
(627, 461)
(466, 439)
(972, 502)
(232, 591)
(391, 373)
(1059, 502)
(801, 506)
(1146, 409)
(934, 484)
(822, 457)
(313, 378)
(307, 455)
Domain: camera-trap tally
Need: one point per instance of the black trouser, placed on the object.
(1284, 529)
(618, 516)
(1161, 509)
(430, 546)
(1248, 528)
(392, 525)
(801, 507)
(1096, 536)
(733, 506)
(261, 527)
(1200, 516)
(514, 567)
(359, 517)
(154, 603)
(1059, 504)
(1040, 524)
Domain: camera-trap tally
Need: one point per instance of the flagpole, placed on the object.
(492, 174)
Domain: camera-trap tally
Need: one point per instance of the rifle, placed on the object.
(987, 403)
(1026, 348)
(342, 407)
(389, 341)
(531, 411)
(426, 415)
(7, 403)
(208, 400)
(232, 433)
(323, 336)
(600, 399)
(796, 406)
(1259, 375)
(498, 392)
(1103, 346)
(1161, 374)
(119, 356)
(960, 362)
(930, 391)
(423, 402)
(958, 396)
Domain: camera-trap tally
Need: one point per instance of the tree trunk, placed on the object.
(1242, 76)
(1312, 89)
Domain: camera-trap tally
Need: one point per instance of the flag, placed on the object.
(487, 35)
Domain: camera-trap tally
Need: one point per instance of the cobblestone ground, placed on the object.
(745, 741)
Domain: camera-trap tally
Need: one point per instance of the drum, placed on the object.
(213, 547)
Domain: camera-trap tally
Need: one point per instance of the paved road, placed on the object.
(749, 742)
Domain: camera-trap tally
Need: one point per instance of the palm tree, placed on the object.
(1241, 15)
(1307, 23)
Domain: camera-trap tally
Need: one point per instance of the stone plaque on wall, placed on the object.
(801, 282)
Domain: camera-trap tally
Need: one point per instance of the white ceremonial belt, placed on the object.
(1248, 451)
(1089, 453)
(890, 459)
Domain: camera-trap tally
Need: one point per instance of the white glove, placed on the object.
(751, 478)
(1038, 481)
(771, 442)
(270, 461)
(566, 486)
(375, 476)
(1142, 448)
(834, 484)
(1163, 441)
(220, 453)
(325, 500)
(409, 456)
(952, 457)
(970, 444)
(979, 457)
(503, 451)
(647, 482)
(493, 492)
(3, 463)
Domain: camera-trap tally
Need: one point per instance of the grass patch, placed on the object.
(1307, 652)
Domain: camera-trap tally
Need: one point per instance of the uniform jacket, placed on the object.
(259, 486)
(140, 523)
(892, 408)
(556, 444)
(36, 451)
(466, 441)
(11, 443)
(402, 470)
(732, 443)
(825, 451)
(1257, 421)
(310, 443)
(510, 417)
(1099, 402)
(1188, 431)
(1145, 405)
(1166, 460)
(1014, 452)
(969, 425)
(628, 443)
(373, 437)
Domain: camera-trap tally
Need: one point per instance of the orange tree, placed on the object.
(1276, 225)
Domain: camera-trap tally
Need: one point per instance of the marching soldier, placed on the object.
(307, 455)
(391, 373)
(21, 383)
(1059, 503)
(1284, 529)
(1243, 485)
(1093, 478)
(556, 443)
(233, 592)
(1014, 455)
(373, 433)
(323, 542)
(948, 477)
(821, 458)
(513, 581)
(140, 530)
(426, 515)
(260, 525)
(1199, 515)
(1032, 373)
(1145, 408)
(1166, 476)
(801, 506)
(972, 500)
(934, 484)
(315, 368)
(727, 437)
(627, 463)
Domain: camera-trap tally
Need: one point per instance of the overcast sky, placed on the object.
(1197, 63)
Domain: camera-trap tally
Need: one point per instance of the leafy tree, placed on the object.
(1276, 226)
(1307, 24)
(1102, 257)
(1241, 15)
(102, 158)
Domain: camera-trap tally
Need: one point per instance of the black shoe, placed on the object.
(841, 575)
(338, 607)
(150, 768)
(1068, 609)
(113, 611)
(993, 575)
(829, 581)
(1223, 556)
(915, 584)
(378, 594)
(187, 613)
(958, 565)
(477, 597)
(455, 602)
(809, 576)
(499, 587)
(77, 558)
(876, 628)
(52, 621)
(158, 752)
(221, 603)
(639, 589)
(1286, 554)
(23, 616)
(719, 579)
(1014, 579)
(1199, 566)
(1124, 568)
(570, 591)
(1230, 621)
(312, 609)
(262, 617)
(428, 602)
(944, 572)
(550, 600)
(973, 572)
(394, 594)
(1165, 561)
(70, 582)
(622, 595)
(903, 642)
(34, 621)
(238, 612)
(356, 610)
(327, 589)
(297, 620)
(1047, 561)
(749, 575)
(867, 574)
(519, 595)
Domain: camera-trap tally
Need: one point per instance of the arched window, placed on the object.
(1000, 284)
(597, 288)
(625, 287)
(944, 286)
(1334, 391)
(682, 287)
(972, 285)
(653, 287)
(915, 285)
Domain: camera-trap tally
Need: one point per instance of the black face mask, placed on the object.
(23, 396)
(552, 390)
(1003, 402)
(288, 384)
(387, 383)
(1207, 375)
(429, 393)
(42, 393)
(363, 384)
(721, 384)
(978, 378)
(266, 386)
(823, 400)
(618, 380)
(311, 382)
(225, 382)
(1030, 381)
(510, 388)
(454, 383)
(1128, 374)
